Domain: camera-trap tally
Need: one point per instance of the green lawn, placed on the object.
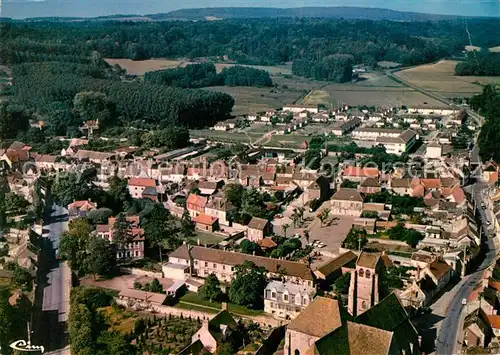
(191, 298)
(207, 238)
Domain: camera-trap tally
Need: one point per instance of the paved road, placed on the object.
(55, 308)
(448, 336)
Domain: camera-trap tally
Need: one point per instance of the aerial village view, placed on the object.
(190, 183)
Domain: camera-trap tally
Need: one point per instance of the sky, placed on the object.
(91, 8)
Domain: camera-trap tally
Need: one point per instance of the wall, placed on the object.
(298, 341)
(177, 312)
(140, 272)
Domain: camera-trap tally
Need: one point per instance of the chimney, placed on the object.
(224, 306)
(198, 241)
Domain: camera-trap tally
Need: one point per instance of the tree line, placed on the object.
(260, 41)
(205, 74)
(488, 105)
(483, 63)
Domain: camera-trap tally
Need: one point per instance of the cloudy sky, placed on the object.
(88, 8)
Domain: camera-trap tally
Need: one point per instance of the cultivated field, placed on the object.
(273, 70)
(372, 89)
(252, 99)
(440, 78)
(338, 94)
(142, 66)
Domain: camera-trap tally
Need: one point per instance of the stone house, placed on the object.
(258, 228)
(347, 202)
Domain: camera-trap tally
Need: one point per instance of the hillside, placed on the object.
(320, 12)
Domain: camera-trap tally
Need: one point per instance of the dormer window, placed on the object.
(368, 274)
(285, 297)
(361, 272)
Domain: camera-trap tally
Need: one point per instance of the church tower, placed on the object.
(364, 287)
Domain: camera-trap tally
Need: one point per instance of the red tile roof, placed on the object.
(205, 219)
(360, 172)
(197, 200)
(144, 182)
(431, 183)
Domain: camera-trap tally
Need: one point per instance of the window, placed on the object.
(195, 262)
(296, 352)
(361, 273)
(206, 264)
(232, 268)
(363, 305)
(273, 294)
(215, 265)
(285, 297)
(223, 267)
(368, 274)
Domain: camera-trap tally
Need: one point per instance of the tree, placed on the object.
(80, 329)
(15, 203)
(13, 119)
(285, 228)
(312, 159)
(159, 227)
(156, 286)
(91, 105)
(249, 247)
(122, 230)
(69, 187)
(211, 288)
(101, 258)
(247, 288)
(99, 215)
(323, 216)
(73, 244)
(118, 194)
(234, 194)
(356, 239)
(187, 225)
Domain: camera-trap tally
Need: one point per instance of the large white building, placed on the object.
(299, 108)
(426, 110)
(286, 300)
(370, 133)
(400, 144)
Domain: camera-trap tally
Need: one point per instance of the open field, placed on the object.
(142, 66)
(472, 48)
(476, 48)
(338, 94)
(237, 137)
(273, 70)
(297, 82)
(252, 99)
(440, 78)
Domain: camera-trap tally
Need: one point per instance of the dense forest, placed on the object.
(262, 41)
(335, 67)
(205, 74)
(488, 103)
(154, 104)
(483, 63)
